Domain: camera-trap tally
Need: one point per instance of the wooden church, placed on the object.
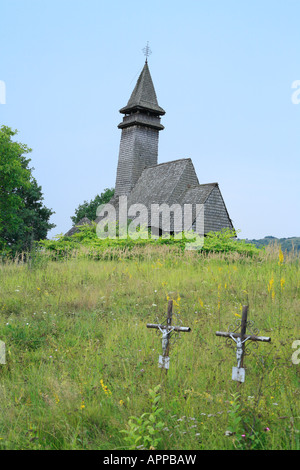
(146, 182)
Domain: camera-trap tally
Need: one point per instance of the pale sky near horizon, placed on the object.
(223, 70)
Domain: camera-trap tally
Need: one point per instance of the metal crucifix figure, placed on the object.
(165, 337)
(239, 348)
(238, 373)
(166, 331)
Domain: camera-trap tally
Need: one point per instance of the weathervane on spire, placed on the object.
(147, 51)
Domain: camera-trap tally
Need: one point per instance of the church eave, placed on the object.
(156, 110)
(137, 122)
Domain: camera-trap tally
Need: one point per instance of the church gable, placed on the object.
(215, 213)
(187, 179)
(216, 216)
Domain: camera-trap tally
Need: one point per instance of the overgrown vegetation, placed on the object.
(81, 367)
(87, 244)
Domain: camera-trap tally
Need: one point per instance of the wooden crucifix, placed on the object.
(238, 373)
(166, 331)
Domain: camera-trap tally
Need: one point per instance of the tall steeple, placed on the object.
(140, 129)
(143, 95)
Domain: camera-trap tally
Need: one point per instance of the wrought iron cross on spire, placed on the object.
(238, 373)
(147, 51)
(166, 331)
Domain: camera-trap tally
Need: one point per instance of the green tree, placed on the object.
(23, 217)
(88, 209)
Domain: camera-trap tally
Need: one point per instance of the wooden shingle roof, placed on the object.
(74, 229)
(143, 95)
(198, 194)
(163, 183)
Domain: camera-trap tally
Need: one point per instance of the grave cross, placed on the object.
(166, 331)
(238, 373)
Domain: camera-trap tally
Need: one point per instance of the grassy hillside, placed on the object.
(80, 362)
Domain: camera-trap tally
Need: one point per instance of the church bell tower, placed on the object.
(140, 129)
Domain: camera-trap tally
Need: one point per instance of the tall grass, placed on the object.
(80, 361)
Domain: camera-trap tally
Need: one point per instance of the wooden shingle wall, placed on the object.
(138, 150)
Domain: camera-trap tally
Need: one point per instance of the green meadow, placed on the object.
(81, 367)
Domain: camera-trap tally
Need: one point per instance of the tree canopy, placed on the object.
(88, 209)
(23, 217)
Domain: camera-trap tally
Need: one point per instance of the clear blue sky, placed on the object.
(223, 71)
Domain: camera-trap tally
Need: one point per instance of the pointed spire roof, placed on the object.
(143, 95)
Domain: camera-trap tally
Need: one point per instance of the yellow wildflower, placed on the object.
(281, 257)
(271, 284)
(273, 294)
(105, 388)
(282, 282)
